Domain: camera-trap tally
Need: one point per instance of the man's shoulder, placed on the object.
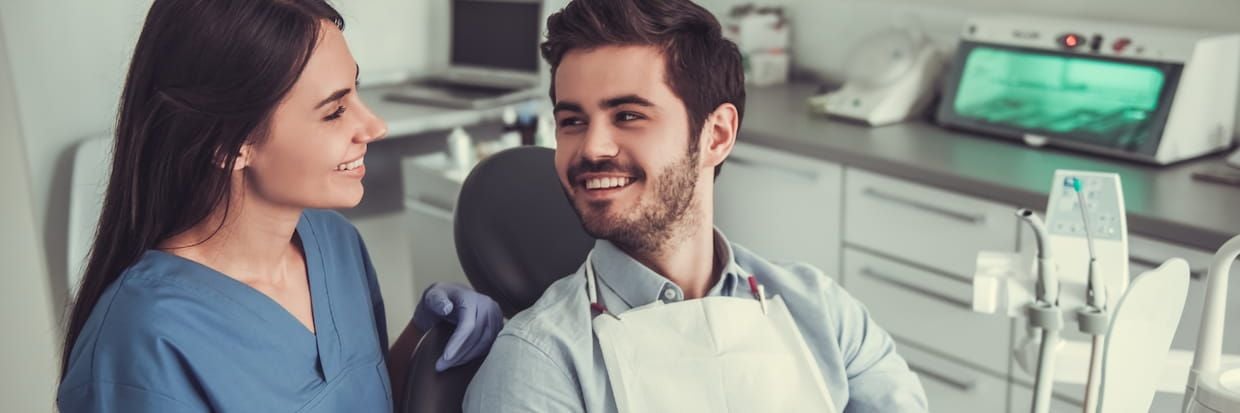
(783, 275)
(559, 320)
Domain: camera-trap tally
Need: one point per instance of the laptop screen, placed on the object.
(496, 34)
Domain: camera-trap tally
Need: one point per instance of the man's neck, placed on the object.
(687, 258)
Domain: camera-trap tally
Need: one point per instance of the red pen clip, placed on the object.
(759, 292)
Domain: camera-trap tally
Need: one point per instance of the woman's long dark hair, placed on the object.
(205, 77)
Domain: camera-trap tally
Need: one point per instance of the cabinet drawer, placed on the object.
(953, 387)
(1064, 399)
(937, 228)
(782, 207)
(928, 309)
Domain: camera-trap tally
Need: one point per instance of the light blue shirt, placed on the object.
(171, 335)
(547, 359)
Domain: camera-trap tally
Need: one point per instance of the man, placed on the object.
(666, 314)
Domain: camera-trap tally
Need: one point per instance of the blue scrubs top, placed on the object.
(171, 335)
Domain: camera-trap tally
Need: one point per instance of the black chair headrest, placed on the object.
(428, 391)
(516, 232)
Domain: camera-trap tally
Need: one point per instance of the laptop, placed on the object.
(493, 58)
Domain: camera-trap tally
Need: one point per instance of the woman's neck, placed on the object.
(251, 240)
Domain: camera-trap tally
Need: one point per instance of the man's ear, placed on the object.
(719, 133)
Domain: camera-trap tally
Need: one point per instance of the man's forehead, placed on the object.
(590, 76)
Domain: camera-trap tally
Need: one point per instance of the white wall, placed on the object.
(824, 30)
(28, 358)
(68, 61)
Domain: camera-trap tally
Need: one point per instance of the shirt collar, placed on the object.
(638, 285)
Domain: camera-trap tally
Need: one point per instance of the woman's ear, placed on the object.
(243, 158)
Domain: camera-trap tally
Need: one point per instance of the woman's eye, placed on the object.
(335, 115)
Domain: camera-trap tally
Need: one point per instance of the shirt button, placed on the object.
(669, 294)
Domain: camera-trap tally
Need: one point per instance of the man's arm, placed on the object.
(518, 377)
(879, 379)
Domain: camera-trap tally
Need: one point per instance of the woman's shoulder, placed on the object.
(138, 322)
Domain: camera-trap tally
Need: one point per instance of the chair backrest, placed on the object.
(429, 391)
(516, 232)
(88, 183)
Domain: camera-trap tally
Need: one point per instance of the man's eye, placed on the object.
(566, 122)
(627, 116)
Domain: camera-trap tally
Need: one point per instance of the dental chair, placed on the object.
(516, 233)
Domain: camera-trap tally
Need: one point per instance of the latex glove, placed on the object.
(477, 317)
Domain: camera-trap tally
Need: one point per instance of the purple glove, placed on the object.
(477, 317)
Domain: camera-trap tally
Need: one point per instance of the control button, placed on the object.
(1071, 40)
(1120, 44)
(1095, 43)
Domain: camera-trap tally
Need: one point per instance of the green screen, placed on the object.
(1104, 102)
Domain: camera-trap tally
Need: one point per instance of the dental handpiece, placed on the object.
(1048, 280)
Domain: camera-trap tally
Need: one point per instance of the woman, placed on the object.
(216, 282)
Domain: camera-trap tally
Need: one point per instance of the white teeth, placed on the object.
(606, 183)
(351, 165)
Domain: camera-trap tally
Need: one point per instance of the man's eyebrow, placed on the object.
(625, 100)
(567, 107)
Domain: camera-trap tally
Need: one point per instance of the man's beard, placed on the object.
(660, 214)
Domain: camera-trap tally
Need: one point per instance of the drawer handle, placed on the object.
(973, 219)
(966, 305)
(1195, 273)
(964, 385)
(796, 172)
(431, 207)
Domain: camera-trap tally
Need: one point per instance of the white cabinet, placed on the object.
(928, 310)
(780, 206)
(1065, 399)
(431, 190)
(928, 226)
(951, 387)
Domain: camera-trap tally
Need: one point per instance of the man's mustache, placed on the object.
(584, 166)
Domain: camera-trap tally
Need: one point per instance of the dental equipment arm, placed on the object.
(1207, 359)
(1044, 314)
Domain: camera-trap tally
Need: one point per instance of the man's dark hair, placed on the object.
(703, 68)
